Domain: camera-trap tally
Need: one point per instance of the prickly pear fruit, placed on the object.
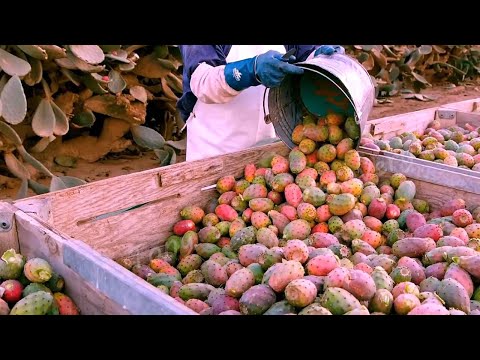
(450, 241)
(469, 263)
(4, 309)
(192, 212)
(432, 231)
(65, 304)
(381, 279)
(242, 237)
(381, 302)
(182, 226)
(337, 278)
(297, 229)
(257, 300)
(415, 220)
(37, 303)
(255, 191)
(142, 271)
(293, 195)
(459, 251)
(454, 271)
(279, 220)
(437, 270)
(338, 301)
(11, 265)
(429, 284)
(362, 247)
(341, 204)
(454, 295)
(296, 250)
(416, 270)
(205, 250)
(280, 308)
(38, 270)
(195, 291)
(360, 285)
(451, 206)
(214, 273)
(239, 282)
(405, 287)
(321, 265)
(300, 292)
(267, 237)
(313, 195)
(250, 253)
(323, 240)
(429, 309)
(189, 263)
(353, 229)
(31, 288)
(12, 290)
(405, 303)
(413, 247)
(223, 302)
(285, 272)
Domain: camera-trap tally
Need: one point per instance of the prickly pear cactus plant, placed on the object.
(54, 99)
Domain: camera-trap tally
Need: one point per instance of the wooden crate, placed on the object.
(459, 113)
(70, 258)
(130, 216)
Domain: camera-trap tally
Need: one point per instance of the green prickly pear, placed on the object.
(37, 303)
(257, 300)
(338, 301)
(38, 270)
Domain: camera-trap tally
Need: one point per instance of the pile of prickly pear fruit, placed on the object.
(454, 146)
(318, 233)
(31, 287)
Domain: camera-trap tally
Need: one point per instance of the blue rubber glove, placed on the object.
(329, 50)
(267, 69)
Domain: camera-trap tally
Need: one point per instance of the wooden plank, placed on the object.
(8, 228)
(97, 284)
(163, 191)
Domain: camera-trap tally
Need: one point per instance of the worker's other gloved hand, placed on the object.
(329, 50)
(267, 69)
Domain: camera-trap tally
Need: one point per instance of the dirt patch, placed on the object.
(116, 165)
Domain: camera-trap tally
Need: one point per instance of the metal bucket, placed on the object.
(325, 79)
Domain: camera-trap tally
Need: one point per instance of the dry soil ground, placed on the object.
(125, 164)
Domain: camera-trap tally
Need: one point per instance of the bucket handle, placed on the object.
(266, 117)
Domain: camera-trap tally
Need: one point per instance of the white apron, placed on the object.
(215, 129)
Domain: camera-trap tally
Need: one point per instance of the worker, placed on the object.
(223, 88)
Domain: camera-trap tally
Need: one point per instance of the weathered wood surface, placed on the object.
(158, 194)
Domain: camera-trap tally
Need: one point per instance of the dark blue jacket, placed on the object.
(214, 55)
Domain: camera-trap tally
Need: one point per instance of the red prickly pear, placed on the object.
(363, 267)
(461, 234)
(373, 238)
(451, 206)
(368, 194)
(226, 212)
(275, 197)
(353, 186)
(320, 228)
(377, 208)
(300, 292)
(232, 266)
(246, 216)
(323, 240)
(437, 270)
(279, 164)
(296, 250)
(260, 219)
(362, 247)
(289, 211)
(415, 220)
(360, 284)
(470, 263)
(473, 230)
(373, 223)
(321, 265)
(366, 165)
(193, 213)
(223, 302)
(279, 220)
(323, 213)
(337, 278)
(255, 191)
(251, 253)
(284, 273)
(196, 305)
(358, 257)
(249, 172)
(429, 309)
(12, 290)
(462, 217)
(227, 197)
(353, 229)
(181, 227)
(412, 247)
(432, 231)
(225, 183)
(311, 172)
(267, 237)
(353, 214)
(450, 241)
(417, 271)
